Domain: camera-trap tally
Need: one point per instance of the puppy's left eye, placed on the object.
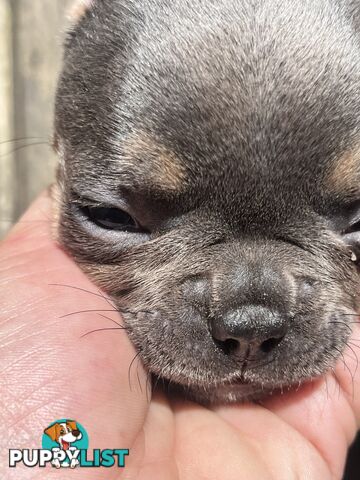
(111, 218)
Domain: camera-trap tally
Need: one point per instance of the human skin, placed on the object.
(54, 366)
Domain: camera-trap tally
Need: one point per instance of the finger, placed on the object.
(325, 412)
(242, 442)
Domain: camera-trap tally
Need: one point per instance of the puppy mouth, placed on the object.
(182, 355)
(235, 385)
(237, 390)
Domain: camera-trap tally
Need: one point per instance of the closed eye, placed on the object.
(111, 218)
(351, 237)
(353, 227)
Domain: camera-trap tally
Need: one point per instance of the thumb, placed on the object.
(52, 366)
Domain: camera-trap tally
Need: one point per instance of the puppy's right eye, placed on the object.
(110, 218)
(351, 237)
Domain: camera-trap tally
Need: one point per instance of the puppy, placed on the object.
(209, 181)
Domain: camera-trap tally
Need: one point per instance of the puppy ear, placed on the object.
(52, 432)
(72, 424)
(79, 9)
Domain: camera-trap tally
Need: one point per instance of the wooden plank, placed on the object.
(6, 119)
(37, 37)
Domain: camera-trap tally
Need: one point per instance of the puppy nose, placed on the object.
(76, 433)
(249, 332)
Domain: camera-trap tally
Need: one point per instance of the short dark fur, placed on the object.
(257, 101)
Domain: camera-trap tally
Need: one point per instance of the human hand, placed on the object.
(57, 363)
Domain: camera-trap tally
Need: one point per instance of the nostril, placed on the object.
(269, 344)
(248, 332)
(228, 346)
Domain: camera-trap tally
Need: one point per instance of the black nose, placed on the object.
(249, 332)
(76, 433)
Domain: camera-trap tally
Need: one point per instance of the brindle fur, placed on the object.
(256, 101)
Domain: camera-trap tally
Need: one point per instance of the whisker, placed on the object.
(102, 330)
(17, 149)
(342, 323)
(113, 309)
(337, 382)
(298, 386)
(112, 320)
(107, 299)
(21, 139)
(82, 290)
(352, 322)
(356, 357)
(147, 386)
(117, 310)
(327, 387)
(332, 369)
(348, 369)
(95, 310)
(119, 326)
(157, 378)
(129, 371)
(137, 374)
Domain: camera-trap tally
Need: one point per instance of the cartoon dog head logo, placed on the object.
(64, 433)
(66, 436)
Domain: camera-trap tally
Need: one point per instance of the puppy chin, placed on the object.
(221, 394)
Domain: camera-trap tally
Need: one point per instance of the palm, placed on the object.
(54, 367)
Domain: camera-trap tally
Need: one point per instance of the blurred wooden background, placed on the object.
(31, 33)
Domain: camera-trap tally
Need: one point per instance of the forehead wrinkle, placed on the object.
(155, 165)
(343, 177)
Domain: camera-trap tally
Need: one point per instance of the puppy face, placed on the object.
(209, 182)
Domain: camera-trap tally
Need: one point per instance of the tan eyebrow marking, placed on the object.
(165, 169)
(344, 176)
(78, 9)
